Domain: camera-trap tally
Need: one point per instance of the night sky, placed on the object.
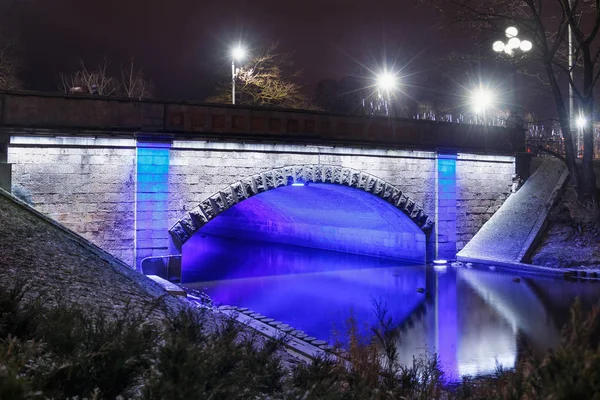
(182, 45)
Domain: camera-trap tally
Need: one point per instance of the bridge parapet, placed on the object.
(51, 114)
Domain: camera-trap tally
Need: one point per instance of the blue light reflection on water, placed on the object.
(474, 319)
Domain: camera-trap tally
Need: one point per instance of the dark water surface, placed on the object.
(474, 319)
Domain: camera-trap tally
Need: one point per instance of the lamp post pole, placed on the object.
(233, 81)
(237, 53)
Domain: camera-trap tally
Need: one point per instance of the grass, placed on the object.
(55, 350)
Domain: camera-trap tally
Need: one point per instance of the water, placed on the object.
(474, 319)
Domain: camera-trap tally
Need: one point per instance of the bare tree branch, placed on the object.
(266, 80)
(133, 83)
(8, 64)
(98, 81)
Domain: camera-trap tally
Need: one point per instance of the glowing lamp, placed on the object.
(514, 43)
(581, 121)
(498, 46)
(511, 32)
(482, 99)
(386, 81)
(238, 53)
(526, 45)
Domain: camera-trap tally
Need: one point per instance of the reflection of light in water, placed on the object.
(518, 305)
(470, 317)
(485, 346)
(486, 365)
(440, 268)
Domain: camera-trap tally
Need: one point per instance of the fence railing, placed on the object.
(541, 139)
(541, 143)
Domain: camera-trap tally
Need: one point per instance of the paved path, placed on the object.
(508, 236)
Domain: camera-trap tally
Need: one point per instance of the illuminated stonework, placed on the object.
(272, 179)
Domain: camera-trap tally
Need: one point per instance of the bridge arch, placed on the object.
(245, 188)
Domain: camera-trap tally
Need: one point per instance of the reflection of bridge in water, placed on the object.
(473, 319)
(476, 320)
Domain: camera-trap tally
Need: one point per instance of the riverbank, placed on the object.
(61, 266)
(572, 236)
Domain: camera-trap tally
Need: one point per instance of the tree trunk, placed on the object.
(589, 179)
(565, 125)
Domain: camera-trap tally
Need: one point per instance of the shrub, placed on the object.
(228, 362)
(368, 368)
(91, 353)
(15, 356)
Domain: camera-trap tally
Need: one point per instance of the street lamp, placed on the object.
(238, 53)
(386, 82)
(513, 44)
(482, 99)
(581, 122)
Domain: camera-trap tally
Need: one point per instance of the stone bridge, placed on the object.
(139, 178)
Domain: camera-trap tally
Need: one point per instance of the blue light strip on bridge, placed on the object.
(445, 207)
(151, 200)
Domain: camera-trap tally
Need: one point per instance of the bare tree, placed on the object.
(70, 83)
(8, 64)
(89, 81)
(133, 83)
(105, 85)
(10, 44)
(546, 24)
(267, 80)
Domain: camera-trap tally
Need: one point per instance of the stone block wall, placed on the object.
(89, 184)
(197, 170)
(88, 189)
(482, 185)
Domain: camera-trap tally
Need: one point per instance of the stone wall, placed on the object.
(90, 190)
(89, 184)
(197, 170)
(482, 183)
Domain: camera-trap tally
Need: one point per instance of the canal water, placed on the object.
(475, 319)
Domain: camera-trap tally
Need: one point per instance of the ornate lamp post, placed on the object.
(238, 54)
(512, 46)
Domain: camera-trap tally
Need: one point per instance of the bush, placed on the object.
(64, 351)
(229, 362)
(14, 358)
(92, 353)
(368, 368)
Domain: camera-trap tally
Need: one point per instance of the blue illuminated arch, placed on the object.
(245, 188)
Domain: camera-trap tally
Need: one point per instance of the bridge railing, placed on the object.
(541, 139)
(544, 145)
(52, 114)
